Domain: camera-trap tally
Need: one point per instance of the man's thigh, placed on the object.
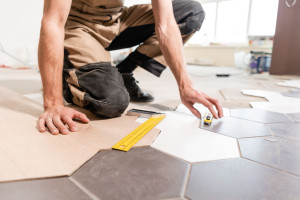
(84, 48)
(138, 24)
(90, 81)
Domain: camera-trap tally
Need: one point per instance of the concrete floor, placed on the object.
(249, 154)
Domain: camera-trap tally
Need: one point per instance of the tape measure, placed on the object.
(132, 138)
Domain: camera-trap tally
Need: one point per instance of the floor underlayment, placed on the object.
(27, 154)
(254, 150)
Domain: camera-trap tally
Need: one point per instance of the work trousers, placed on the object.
(89, 79)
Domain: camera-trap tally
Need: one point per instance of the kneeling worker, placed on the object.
(75, 64)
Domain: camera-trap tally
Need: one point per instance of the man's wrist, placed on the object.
(51, 103)
(184, 83)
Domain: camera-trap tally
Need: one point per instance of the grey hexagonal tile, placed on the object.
(276, 152)
(237, 128)
(257, 115)
(141, 173)
(48, 189)
(240, 179)
(294, 93)
(295, 117)
(286, 130)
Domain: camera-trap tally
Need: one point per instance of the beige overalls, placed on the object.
(93, 28)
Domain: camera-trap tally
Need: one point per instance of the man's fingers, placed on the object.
(61, 127)
(194, 111)
(42, 127)
(51, 126)
(210, 107)
(68, 120)
(218, 106)
(81, 116)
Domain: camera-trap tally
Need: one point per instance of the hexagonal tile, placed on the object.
(279, 153)
(141, 173)
(276, 107)
(286, 130)
(175, 121)
(257, 115)
(237, 128)
(195, 145)
(240, 179)
(57, 188)
(295, 117)
(294, 94)
(290, 83)
(275, 99)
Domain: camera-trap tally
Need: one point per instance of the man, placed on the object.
(76, 37)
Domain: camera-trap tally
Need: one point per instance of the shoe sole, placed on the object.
(141, 101)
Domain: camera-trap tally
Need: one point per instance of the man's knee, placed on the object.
(189, 15)
(196, 20)
(106, 95)
(112, 106)
(98, 87)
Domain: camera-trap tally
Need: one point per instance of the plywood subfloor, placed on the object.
(25, 153)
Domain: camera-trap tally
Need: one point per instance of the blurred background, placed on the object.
(231, 30)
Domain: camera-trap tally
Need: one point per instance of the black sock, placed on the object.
(126, 66)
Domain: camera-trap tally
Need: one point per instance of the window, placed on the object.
(233, 21)
(207, 33)
(263, 17)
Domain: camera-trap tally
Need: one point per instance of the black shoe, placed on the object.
(135, 92)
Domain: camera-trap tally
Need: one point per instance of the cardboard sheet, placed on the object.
(25, 153)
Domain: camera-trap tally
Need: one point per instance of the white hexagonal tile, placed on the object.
(196, 145)
(273, 97)
(276, 107)
(275, 104)
(175, 121)
(290, 83)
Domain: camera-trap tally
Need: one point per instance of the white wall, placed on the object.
(19, 29)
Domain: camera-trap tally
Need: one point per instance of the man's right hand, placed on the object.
(59, 119)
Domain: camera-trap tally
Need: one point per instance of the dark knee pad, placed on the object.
(113, 106)
(194, 22)
(189, 15)
(105, 93)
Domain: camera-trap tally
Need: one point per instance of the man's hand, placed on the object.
(59, 119)
(170, 43)
(190, 96)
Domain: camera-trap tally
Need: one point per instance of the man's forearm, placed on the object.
(172, 48)
(50, 57)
